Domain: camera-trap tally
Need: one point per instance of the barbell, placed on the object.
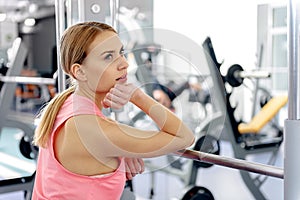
(232, 163)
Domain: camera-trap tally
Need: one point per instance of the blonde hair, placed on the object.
(73, 47)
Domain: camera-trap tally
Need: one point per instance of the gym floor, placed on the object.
(224, 183)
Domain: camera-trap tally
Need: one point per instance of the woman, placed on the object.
(81, 154)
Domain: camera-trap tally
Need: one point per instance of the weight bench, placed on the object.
(251, 135)
(267, 113)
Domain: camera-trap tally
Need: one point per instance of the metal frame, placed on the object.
(18, 184)
(60, 21)
(292, 124)
(12, 119)
(15, 119)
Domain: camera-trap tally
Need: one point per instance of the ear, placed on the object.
(78, 73)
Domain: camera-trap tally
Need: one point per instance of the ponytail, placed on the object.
(73, 49)
(48, 115)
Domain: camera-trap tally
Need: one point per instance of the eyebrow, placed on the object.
(111, 51)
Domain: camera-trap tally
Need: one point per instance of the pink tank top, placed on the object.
(54, 182)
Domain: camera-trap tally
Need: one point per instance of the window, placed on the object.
(272, 35)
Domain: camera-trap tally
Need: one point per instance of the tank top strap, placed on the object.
(76, 105)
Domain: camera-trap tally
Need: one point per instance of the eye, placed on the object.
(108, 56)
(122, 52)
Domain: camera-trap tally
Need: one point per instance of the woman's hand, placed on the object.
(118, 96)
(133, 167)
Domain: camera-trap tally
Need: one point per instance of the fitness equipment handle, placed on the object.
(232, 163)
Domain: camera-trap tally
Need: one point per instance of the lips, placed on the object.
(124, 77)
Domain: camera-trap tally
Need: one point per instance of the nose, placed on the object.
(123, 63)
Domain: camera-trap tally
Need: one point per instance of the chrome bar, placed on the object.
(232, 163)
(27, 80)
(254, 74)
(293, 42)
(60, 27)
(114, 12)
(292, 124)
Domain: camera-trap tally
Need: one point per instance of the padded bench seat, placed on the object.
(264, 115)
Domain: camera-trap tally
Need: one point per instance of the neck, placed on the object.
(95, 97)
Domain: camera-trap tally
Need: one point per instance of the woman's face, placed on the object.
(105, 64)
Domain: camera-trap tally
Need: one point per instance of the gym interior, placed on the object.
(227, 62)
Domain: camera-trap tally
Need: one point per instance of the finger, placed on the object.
(126, 88)
(128, 173)
(131, 166)
(122, 87)
(115, 105)
(117, 92)
(142, 165)
(115, 100)
(137, 165)
(104, 104)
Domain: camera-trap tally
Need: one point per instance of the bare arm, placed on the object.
(107, 138)
(166, 120)
(104, 138)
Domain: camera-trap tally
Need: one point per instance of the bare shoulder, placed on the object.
(80, 150)
(89, 122)
(78, 129)
(90, 127)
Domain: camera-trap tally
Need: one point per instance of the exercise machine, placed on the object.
(24, 121)
(247, 138)
(16, 120)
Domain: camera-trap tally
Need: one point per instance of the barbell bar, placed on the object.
(254, 74)
(236, 75)
(232, 163)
